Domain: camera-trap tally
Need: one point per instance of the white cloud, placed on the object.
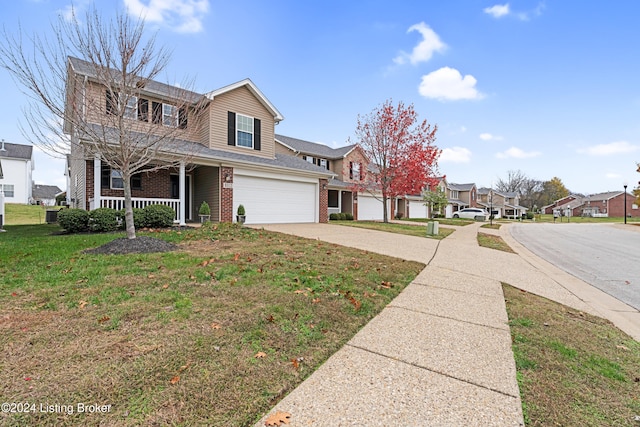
(182, 16)
(424, 50)
(455, 155)
(497, 11)
(517, 153)
(613, 175)
(448, 84)
(500, 10)
(489, 137)
(619, 147)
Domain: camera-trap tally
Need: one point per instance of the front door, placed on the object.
(175, 192)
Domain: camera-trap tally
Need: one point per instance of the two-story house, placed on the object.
(349, 165)
(229, 144)
(500, 204)
(17, 165)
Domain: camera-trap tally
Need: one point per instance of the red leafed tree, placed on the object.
(403, 156)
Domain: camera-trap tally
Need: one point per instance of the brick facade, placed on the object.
(616, 206)
(226, 195)
(323, 216)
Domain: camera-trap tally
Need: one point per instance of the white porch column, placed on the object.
(181, 184)
(97, 185)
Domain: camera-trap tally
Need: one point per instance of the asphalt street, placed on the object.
(602, 255)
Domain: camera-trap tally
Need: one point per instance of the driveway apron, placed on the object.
(438, 355)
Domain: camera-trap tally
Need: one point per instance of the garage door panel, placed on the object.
(275, 201)
(417, 209)
(370, 208)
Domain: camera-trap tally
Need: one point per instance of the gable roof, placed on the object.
(314, 148)
(16, 151)
(254, 90)
(40, 191)
(461, 187)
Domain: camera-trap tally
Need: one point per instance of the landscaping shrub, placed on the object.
(530, 215)
(342, 216)
(73, 220)
(139, 220)
(399, 215)
(333, 216)
(158, 216)
(348, 217)
(103, 219)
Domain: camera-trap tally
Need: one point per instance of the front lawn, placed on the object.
(573, 369)
(212, 334)
(442, 221)
(411, 230)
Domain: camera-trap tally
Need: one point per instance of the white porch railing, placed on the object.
(334, 210)
(117, 203)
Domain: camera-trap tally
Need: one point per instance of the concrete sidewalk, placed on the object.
(439, 354)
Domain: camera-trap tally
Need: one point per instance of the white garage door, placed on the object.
(271, 200)
(370, 208)
(417, 209)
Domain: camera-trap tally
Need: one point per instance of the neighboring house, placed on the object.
(609, 204)
(349, 166)
(17, 170)
(232, 157)
(563, 201)
(459, 196)
(45, 194)
(500, 204)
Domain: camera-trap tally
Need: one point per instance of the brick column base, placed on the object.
(226, 195)
(324, 201)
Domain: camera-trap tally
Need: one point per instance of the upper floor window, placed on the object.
(355, 171)
(324, 164)
(309, 159)
(243, 131)
(169, 115)
(454, 194)
(131, 109)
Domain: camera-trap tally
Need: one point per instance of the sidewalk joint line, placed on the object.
(415, 365)
(447, 317)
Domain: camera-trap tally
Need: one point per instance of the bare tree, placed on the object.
(514, 182)
(93, 113)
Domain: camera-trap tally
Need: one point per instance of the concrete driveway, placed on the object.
(604, 255)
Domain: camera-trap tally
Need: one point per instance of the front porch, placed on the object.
(339, 201)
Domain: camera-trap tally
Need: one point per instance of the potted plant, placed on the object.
(240, 217)
(205, 212)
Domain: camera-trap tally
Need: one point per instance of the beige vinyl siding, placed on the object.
(96, 101)
(77, 176)
(206, 186)
(240, 101)
(281, 149)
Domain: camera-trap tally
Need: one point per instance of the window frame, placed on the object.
(249, 120)
(9, 190)
(170, 119)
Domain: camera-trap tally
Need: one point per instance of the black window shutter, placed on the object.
(350, 170)
(257, 133)
(143, 110)
(112, 102)
(182, 118)
(361, 173)
(105, 176)
(231, 128)
(156, 113)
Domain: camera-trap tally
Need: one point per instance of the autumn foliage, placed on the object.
(401, 150)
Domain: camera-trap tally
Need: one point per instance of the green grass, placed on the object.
(573, 369)
(411, 230)
(493, 242)
(442, 221)
(173, 338)
(493, 226)
(16, 214)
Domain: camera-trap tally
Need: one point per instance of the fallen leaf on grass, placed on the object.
(104, 319)
(260, 355)
(270, 319)
(236, 257)
(175, 379)
(82, 304)
(356, 304)
(184, 367)
(386, 285)
(622, 347)
(315, 300)
(295, 364)
(277, 419)
(299, 291)
(151, 276)
(215, 325)
(165, 286)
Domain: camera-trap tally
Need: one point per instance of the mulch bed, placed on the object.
(141, 244)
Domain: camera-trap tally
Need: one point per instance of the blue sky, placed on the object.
(547, 87)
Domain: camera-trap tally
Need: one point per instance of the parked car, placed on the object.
(472, 213)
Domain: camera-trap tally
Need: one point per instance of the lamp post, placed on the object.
(625, 202)
(491, 205)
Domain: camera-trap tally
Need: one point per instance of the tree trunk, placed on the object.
(128, 209)
(385, 216)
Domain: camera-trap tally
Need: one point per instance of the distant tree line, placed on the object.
(533, 193)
